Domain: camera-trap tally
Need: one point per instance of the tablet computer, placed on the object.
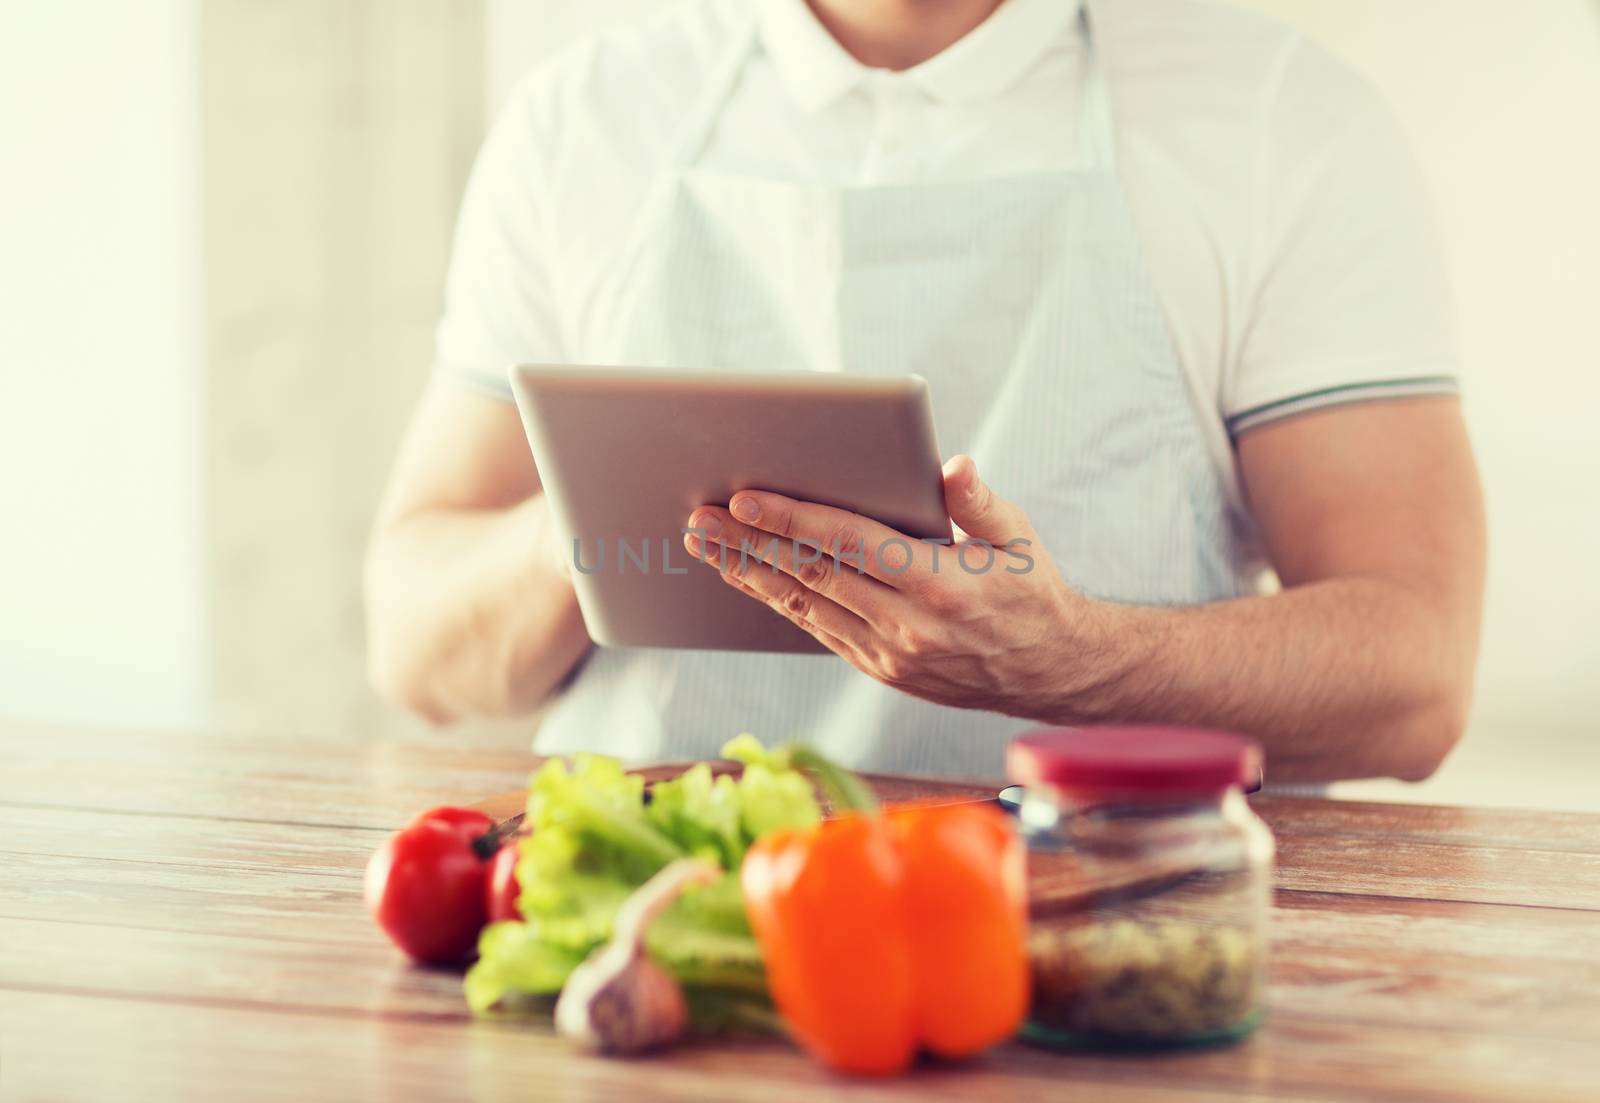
(625, 455)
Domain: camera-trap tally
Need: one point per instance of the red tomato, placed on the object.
(425, 888)
(500, 887)
(468, 821)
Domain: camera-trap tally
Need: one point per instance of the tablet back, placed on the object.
(625, 456)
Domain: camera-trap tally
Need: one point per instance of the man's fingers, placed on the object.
(979, 511)
(747, 551)
(819, 615)
(878, 550)
(833, 643)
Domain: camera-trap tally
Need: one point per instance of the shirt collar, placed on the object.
(994, 55)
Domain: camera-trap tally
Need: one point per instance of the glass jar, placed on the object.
(1150, 880)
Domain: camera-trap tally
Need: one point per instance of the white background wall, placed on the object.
(336, 138)
(1503, 104)
(101, 326)
(223, 234)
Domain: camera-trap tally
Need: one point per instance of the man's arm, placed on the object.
(1361, 666)
(469, 609)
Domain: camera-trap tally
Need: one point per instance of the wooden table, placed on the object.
(180, 918)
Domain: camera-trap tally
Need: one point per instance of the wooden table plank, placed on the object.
(161, 1052)
(192, 905)
(1435, 824)
(232, 777)
(1474, 967)
(354, 976)
(250, 883)
(145, 1049)
(1426, 871)
(301, 884)
(1443, 971)
(222, 844)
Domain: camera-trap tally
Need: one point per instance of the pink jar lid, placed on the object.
(1134, 759)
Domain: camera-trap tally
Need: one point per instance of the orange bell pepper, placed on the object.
(888, 932)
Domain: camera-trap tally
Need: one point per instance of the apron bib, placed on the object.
(1024, 303)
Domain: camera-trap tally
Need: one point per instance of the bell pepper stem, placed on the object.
(845, 790)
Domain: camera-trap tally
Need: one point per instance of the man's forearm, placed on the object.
(1347, 677)
(470, 612)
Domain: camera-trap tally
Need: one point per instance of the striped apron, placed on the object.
(1025, 304)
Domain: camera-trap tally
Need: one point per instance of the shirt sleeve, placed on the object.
(1349, 298)
(500, 308)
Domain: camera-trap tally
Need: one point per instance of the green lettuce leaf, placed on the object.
(700, 814)
(773, 795)
(705, 939)
(594, 840)
(513, 961)
(598, 803)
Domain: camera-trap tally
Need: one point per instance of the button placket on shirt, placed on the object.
(892, 152)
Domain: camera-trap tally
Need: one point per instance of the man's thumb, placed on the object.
(979, 511)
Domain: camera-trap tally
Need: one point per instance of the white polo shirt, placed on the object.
(1283, 221)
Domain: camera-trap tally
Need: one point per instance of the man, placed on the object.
(1169, 273)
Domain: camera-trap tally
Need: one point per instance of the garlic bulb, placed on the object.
(618, 1000)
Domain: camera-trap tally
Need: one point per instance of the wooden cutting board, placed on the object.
(1056, 882)
(889, 787)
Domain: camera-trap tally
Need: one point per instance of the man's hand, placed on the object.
(1360, 667)
(980, 624)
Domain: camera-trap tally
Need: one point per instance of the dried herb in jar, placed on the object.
(1153, 980)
